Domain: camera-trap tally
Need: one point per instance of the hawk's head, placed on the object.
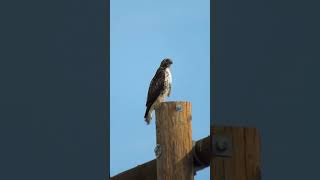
(166, 63)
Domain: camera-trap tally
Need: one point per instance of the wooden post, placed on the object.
(148, 170)
(244, 163)
(174, 137)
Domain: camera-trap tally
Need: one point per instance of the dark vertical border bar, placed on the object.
(213, 71)
(213, 61)
(107, 89)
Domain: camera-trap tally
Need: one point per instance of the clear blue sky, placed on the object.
(143, 32)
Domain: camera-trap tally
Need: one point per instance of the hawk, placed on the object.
(159, 89)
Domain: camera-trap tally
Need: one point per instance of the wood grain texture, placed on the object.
(245, 161)
(174, 135)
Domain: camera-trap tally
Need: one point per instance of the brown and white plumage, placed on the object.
(159, 89)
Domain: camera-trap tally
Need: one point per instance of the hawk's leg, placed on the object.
(157, 106)
(158, 102)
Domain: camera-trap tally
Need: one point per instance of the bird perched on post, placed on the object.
(159, 89)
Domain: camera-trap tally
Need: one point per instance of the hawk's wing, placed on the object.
(156, 87)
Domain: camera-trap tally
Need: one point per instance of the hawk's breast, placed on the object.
(168, 81)
(168, 76)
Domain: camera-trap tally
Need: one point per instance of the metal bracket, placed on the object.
(198, 164)
(221, 146)
(157, 151)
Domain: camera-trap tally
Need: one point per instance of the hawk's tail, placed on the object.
(147, 116)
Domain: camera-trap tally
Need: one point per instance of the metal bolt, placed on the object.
(179, 108)
(157, 150)
(222, 144)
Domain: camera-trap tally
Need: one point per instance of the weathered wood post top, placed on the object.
(174, 141)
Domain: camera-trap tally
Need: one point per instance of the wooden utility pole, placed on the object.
(234, 153)
(174, 141)
(244, 162)
(148, 170)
